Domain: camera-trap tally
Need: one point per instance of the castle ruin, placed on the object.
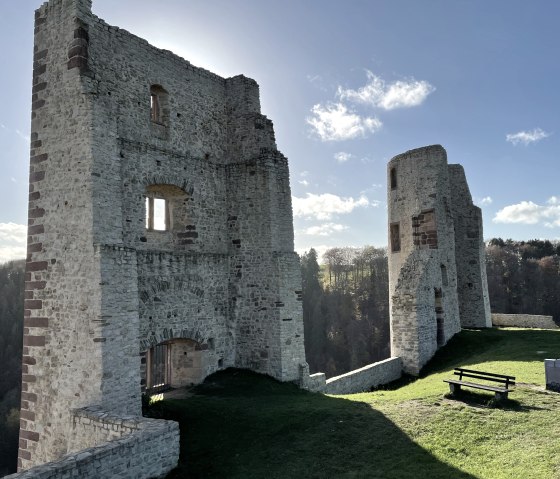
(437, 275)
(160, 240)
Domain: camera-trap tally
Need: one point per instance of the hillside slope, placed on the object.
(242, 425)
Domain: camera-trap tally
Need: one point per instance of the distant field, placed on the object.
(242, 425)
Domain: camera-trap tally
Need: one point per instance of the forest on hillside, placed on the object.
(345, 311)
(11, 331)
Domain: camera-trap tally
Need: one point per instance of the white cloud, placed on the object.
(326, 229)
(530, 213)
(527, 137)
(303, 182)
(487, 200)
(324, 206)
(12, 179)
(304, 174)
(13, 239)
(2, 126)
(23, 136)
(342, 156)
(335, 122)
(400, 94)
(321, 249)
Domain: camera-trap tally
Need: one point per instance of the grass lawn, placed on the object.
(242, 425)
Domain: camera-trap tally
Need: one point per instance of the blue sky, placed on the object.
(348, 85)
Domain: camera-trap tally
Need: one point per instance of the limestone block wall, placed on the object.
(524, 321)
(366, 378)
(116, 124)
(472, 284)
(358, 380)
(113, 446)
(552, 374)
(423, 298)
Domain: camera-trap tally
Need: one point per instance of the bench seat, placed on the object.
(478, 386)
(500, 390)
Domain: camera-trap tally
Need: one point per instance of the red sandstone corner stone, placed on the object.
(34, 340)
(36, 265)
(30, 435)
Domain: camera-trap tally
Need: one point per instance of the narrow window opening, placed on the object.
(157, 217)
(395, 237)
(393, 174)
(440, 334)
(159, 105)
(160, 223)
(155, 108)
(444, 279)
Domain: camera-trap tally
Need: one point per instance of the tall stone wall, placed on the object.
(437, 269)
(422, 270)
(117, 124)
(472, 284)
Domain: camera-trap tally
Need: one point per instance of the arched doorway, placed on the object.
(175, 363)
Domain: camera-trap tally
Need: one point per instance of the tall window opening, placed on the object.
(157, 214)
(395, 237)
(393, 175)
(159, 105)
(444, 279)
(439, 317)
(155, 108)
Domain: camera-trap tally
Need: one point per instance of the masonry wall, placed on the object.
(112, 446)
(422, 268)
(366, 378)
(472, 284)
(523, 321)
(101, 287)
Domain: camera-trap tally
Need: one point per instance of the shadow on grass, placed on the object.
(243, 425)
(471, 346)
(489, 401)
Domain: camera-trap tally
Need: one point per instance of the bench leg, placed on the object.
(454, 388)
(501, 396)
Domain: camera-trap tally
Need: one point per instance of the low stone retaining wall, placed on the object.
(113, 446)
(552, 374)
(365, 378)
(523, 321)
(356, 381)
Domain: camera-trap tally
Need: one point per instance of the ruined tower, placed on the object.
(437, 280)
(160, 240)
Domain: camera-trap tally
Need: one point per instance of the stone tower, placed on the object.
(437, 280)
(160, 240)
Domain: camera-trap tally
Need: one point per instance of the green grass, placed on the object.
(242, 425)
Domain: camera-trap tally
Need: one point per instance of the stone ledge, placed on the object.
(134, 452)
(523, 321)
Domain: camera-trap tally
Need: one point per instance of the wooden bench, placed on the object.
(501, 391)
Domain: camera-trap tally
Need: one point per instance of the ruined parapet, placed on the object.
(423, 299)
(470, 256)
(160, 229)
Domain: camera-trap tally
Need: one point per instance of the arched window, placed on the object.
(168, 217)
(165, 207)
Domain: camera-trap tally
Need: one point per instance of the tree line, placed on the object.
(345, 311)
(11, 333)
